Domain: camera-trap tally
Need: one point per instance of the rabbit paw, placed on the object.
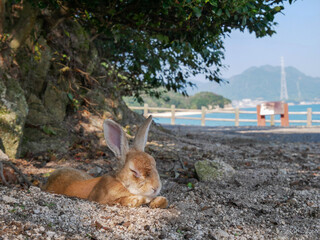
(133, 201)
(159, 202)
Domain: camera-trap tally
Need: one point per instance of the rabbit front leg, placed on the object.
(137, 201)
(159, 202)
(133, 201)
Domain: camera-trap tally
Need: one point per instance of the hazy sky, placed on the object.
(297, 40)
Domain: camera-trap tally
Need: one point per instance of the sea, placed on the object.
(292, 108)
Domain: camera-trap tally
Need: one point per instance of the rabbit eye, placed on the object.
(135, 173)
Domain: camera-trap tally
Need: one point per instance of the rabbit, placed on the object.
(135, 184)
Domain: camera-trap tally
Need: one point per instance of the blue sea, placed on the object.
(293, 108)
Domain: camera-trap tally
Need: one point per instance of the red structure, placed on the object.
(273, 108)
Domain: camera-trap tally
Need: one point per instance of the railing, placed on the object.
(236, 111)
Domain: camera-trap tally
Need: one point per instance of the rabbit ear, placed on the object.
(116, 139)
(140, 140)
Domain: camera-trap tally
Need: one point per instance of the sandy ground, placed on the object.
(274, 194)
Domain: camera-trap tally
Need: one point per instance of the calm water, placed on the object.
(295, 108)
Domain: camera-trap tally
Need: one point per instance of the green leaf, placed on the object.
(67, 33)
(213, 3)
(48, 130)
(219, 12)
(163, 38)
(70, 96)
(197, 12)
(227, 13)
(278, 8)
(104, 64)
(46, 174)
(244, 21)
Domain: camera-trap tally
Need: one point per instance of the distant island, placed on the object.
(206, 99)
(263, 83)
(253, 86)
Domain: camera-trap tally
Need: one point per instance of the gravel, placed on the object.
(274, 193)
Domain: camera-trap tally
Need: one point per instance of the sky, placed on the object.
(297, 40)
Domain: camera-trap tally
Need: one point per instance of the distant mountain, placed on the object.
(264, 83)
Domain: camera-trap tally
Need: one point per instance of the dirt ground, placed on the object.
(274, 194)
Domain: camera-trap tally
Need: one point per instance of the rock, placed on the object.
(39, 142)
(212, 170)
(221, 234)
(38, 115)
(13, 113)
(3, 156)
(34, 70)
(8, 199)
(95, 171)
(36, 211)
(55, 101)
(50, 234)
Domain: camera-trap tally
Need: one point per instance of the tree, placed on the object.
(208, 98)
(153, 43)
(59, 57)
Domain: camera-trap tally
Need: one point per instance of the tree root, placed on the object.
(17, 170)
(2, 175)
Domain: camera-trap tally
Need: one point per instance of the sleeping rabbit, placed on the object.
(136, 183)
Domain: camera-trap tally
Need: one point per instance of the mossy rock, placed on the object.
(81, 40)
(13, 113)
(213, 170)
(37, 115)
(39, 140)
(55, 102)
(35, 68)
(94, 61)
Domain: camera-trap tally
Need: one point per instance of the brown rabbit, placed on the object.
(135, 184)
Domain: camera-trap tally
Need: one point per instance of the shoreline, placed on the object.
(168, 114)
(198, 112)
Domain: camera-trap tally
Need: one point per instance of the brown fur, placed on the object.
(135, 184)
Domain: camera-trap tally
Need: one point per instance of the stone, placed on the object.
(222, 234)
(37, 115)
(95, 171)
(3, 156)
(39, 142)
(55, 101)
(212, 170)
(34, 70)
(8, 199)
(13, 113)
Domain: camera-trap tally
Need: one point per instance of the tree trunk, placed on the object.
(2, 12)
(24, 26)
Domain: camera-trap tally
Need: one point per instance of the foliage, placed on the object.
(205, 99)
(208, 98)
(156, 43)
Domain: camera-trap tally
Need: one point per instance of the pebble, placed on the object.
(50, 234)
(36, 211)
(222, 233)
(283, 171)
(8, 199)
